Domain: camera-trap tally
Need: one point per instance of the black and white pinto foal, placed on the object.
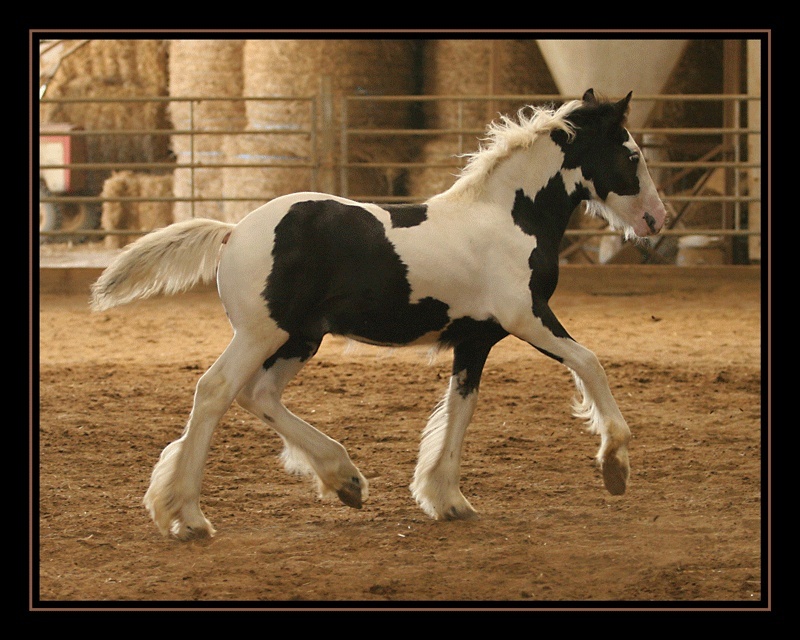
(463, 270)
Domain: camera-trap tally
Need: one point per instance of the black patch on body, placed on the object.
(298, 348)
(468, 329)
(335, 271)
(407, 215)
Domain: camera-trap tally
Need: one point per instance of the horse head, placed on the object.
(612, 166)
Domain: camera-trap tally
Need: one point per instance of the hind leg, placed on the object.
(307, 450)
(173, 498)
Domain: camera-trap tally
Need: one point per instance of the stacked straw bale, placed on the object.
(472, 68)
(294, 68)
(143, 216)
(209, 69)
(113, 69)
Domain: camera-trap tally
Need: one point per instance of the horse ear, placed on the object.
(589, 97)
(622, 106)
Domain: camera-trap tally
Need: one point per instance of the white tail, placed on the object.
(164, 262)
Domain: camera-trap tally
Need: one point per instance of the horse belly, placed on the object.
(391, 322)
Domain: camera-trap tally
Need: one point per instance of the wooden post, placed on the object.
(732, 57)
(326, 136)
(754, 143)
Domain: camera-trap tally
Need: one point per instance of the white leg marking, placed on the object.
(436, 478)
(173, 498)
(595, 404)
(307, 450)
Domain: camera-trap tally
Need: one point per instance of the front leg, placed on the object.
(595, 402)
(436, 478)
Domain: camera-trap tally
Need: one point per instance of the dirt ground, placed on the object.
(684, 364)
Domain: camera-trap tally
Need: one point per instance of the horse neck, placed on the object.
(529, 169)
(529, 182)
(532, 183)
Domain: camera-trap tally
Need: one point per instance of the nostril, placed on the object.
(651, 221)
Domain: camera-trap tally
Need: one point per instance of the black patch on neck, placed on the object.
(547, 214)
(407, 215)
(546, 218)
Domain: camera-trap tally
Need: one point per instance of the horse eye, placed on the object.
(634, 157)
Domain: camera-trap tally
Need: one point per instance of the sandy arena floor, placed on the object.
(685, 364)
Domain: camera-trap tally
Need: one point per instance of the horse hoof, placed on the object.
(350, 494)
(463, 514)
(615, 476)
(186, 533)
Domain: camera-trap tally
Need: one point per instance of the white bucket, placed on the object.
(700, 250)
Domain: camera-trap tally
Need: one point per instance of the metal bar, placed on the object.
(317, 162)
(554, 97)
(344, 153)
(569, 232)
(176, 165)
(83, 133)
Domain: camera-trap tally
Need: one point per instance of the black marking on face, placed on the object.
(598, 148)
(335, 271)
(407, 215)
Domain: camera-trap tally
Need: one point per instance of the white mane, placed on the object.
(505, 136)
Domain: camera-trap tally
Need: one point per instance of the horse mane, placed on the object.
(506, 135)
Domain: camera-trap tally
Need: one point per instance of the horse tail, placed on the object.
(164, 262)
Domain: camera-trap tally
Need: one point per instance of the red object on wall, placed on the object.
(56, 146)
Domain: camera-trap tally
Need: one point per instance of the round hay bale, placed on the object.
(209, 69)
(259, 184)
(143, 216)
(294, 69)
(357, 67)
(461, 68)
(698, 71)
(442, 157)
(479, 68)
(193, 184)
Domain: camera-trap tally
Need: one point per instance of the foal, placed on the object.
(462, 270)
